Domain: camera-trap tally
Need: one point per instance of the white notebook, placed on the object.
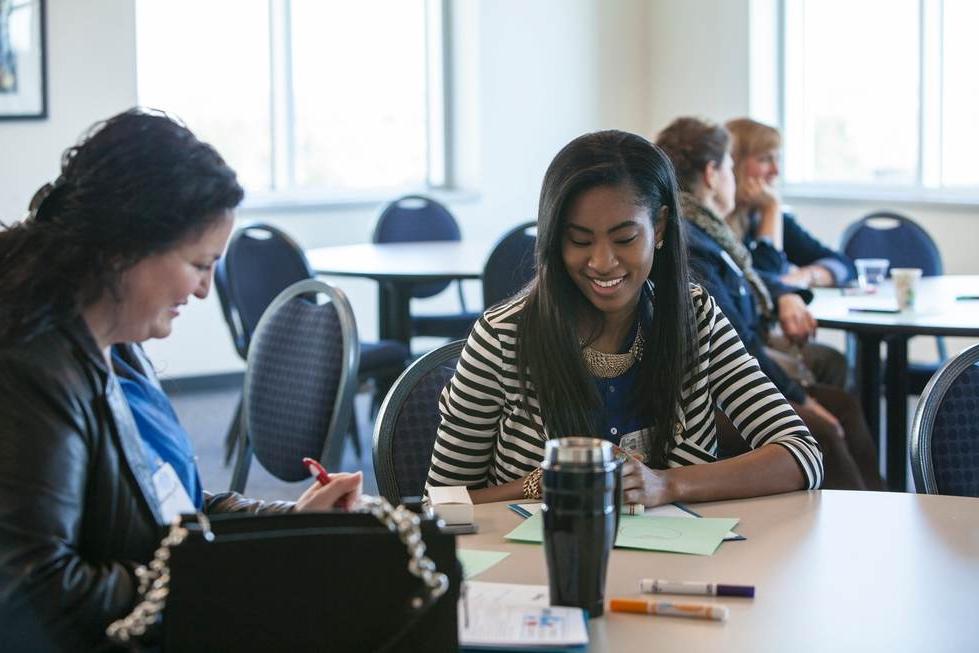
(504, 615)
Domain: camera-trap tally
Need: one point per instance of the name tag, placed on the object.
(730, 261)
(174, 500)
(632, 444)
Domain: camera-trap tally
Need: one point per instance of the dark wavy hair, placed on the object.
(548, 349)
(137, 184)
(692, 143)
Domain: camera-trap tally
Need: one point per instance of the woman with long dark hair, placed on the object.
(611, 340)
(109, 254)
(700, 152)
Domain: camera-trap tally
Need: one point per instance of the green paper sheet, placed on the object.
(674, 534)
(475, 562)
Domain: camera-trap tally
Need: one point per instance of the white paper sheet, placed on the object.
(510, 615)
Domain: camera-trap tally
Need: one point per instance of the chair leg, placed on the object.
(382, 384)
(242, 465)
(462, 295)
(232, 436)
(354, 432)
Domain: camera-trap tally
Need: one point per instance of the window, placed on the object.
(880, 95)
(304, 98)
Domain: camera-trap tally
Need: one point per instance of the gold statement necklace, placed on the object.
(608, 366)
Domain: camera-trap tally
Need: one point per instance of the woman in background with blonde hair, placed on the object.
(780, 247)
(778, 242)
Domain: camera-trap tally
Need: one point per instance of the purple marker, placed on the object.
(657, 586)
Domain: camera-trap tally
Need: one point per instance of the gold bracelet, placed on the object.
(531, 484)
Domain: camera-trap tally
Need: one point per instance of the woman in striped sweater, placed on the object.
(611, 340)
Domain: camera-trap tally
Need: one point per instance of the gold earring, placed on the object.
(659, 245)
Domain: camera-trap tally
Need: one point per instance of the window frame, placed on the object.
(926, 189)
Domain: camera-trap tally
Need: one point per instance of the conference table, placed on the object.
(833, 570)
(396, 267)
(938, 312)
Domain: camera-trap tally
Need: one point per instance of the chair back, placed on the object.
(407, 422)
(899, 239)
(945, 430)
(300, 381)
(261, 262)
(415, 218)
(511, 265)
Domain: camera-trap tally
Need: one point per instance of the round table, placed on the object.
(834, 571)
(938, 312)
(397, 267)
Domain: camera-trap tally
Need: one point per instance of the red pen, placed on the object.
(316, 470)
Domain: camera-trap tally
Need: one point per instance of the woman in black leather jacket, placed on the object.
(107, 256)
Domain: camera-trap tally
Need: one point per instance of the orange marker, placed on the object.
(649, 606)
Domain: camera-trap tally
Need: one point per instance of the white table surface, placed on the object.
(834, 571)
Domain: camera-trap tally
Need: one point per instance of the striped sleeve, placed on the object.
(471, 407)
(758, 410)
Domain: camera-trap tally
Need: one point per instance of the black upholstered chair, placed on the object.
(404, 434)
(510, 265)
(260, 262)
(945, 430)
(300, 382)
(416, 218)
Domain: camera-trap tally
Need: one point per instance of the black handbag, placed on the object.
(331, 581)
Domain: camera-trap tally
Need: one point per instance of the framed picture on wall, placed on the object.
(23, 84)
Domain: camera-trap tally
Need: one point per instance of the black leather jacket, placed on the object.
(78, 511)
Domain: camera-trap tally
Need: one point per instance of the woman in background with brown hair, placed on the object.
(720, 261)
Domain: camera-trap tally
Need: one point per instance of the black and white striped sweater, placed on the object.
(487, 437)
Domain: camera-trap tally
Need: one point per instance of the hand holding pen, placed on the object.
(330, 490)
(317, 471)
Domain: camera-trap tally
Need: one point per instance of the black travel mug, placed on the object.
(581, 485)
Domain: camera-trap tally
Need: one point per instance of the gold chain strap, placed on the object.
(154, 579)
(154, 586)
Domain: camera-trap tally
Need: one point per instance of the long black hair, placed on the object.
(548, 350)
(137, 184)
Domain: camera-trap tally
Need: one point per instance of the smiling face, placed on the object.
(608, 248)
(153, 290)
(761, 165)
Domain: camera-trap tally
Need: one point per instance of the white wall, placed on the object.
(698, 58)
(91, 76)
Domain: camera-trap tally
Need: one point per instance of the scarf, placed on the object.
(721, 233)
(740, 222)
